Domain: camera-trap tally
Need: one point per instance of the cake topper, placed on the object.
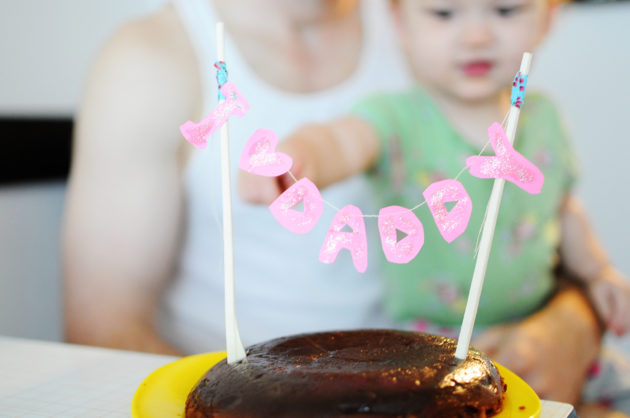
(337, 239)
(453, 223)
(396, 218)
(296, 221)
(235, 349)
(347, 230)
(231, 102)
(260, 157)
(519, 85)
(490, 221)
(508, 163)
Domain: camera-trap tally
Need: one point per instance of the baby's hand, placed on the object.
(260, 189)
(611, 295)
(264, 190)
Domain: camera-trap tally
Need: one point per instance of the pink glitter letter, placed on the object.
(393, 218)
(508, 163)
(450, 224)
(355, 241)
(260, 157)
(295, 220)
(234, 104)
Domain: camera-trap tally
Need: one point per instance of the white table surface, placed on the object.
(44, 379)
(48, 379)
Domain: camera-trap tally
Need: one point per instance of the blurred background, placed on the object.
(46, 49)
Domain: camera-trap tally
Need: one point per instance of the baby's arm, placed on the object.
(325, 153)
(585, 258)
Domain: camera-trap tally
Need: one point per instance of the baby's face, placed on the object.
(470, 49)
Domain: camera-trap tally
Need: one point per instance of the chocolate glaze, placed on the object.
(350, 373)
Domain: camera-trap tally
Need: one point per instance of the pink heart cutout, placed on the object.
(260, 157)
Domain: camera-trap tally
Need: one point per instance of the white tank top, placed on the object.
(281, 287)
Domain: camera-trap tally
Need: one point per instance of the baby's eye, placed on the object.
(443, 14)
(507, 11)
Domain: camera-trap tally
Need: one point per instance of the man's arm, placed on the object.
(124, 204)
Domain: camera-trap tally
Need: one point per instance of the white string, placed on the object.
(419, 205)
(485, 213)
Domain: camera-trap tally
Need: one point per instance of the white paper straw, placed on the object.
(235, 350)
(487, 235)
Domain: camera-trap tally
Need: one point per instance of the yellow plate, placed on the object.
(520, 400)
(163, 393)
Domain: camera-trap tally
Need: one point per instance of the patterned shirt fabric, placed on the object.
(419, 147)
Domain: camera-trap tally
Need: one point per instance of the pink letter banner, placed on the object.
(450, 224)
(355, 241)
(392, 219)
(294, 220)
(234, 104)
(508, 164)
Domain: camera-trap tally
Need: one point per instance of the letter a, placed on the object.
(355, 241)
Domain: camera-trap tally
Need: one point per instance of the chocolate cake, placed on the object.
(378, 373)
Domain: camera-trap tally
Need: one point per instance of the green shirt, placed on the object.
(419, 147)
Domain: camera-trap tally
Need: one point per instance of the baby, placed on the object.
(464, 55)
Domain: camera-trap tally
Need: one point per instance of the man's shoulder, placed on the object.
(158, 38)
(143, 81)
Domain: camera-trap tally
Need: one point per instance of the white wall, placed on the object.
(30, 291)
(584, 66)
(45, 50)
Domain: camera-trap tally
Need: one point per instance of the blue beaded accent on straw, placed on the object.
(222, 77)
(518, 89)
